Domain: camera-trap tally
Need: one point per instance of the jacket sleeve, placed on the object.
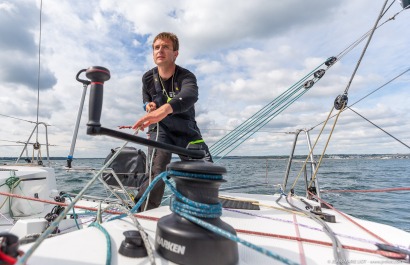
(146, 97)
(188, 94)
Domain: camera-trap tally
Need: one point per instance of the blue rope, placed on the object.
(232, 237)
(74, 214)
(191, 210)
(108, 240)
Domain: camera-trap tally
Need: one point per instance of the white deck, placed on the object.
(293, 236)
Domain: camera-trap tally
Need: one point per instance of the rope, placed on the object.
(323, 243)
(324, 149)
(338, 253)
(107, 240)
(350, 219)
(74, 214)
(11, 182)
(374, 91)
(313, 148)
(23, 259)
(261, 118)
(232, 237)
(305, 226)
(191, 209)
(341, 109)
(302, 239)
(232, 140)
(140, 229)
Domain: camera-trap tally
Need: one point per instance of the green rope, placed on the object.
(74, 214)
(11, 182)
(108, 240)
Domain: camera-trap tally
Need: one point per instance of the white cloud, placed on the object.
(244, 54)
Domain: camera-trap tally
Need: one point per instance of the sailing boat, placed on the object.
(253, 229)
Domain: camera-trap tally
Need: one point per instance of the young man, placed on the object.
(169, 93)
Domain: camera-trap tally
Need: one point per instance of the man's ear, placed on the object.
(175, 55)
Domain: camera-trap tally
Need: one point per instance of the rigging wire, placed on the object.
(365, 47)
(365, 35)
(263, 116)
(39, 68)
(7, 116)
(379, 128)
(343, 103)
(232, 140)
(361, 99)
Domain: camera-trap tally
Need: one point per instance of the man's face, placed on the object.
(163, 52)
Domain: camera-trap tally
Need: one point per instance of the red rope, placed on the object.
(300, 245)
(323, 243)
(350, 219)
(300, 239)
(374, 190)
(75, 206)
(307, 240)
(6, 258)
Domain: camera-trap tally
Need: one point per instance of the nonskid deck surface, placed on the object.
(275, 227)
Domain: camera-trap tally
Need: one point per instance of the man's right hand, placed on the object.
(150, 107)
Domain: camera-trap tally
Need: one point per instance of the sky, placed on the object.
(244, 54)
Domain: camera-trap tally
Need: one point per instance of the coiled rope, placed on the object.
(191, 210)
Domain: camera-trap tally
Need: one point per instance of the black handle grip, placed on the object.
(77, 77)
(98, 76)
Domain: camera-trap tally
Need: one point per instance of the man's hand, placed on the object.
(150, 107)
(153, 117)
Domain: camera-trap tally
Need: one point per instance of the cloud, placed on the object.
(19, 60)
(243, 54)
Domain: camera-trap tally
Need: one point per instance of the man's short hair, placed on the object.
(170, 36)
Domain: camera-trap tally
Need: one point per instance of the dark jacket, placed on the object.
(182, 90)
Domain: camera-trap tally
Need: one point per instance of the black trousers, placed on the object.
(160, 160)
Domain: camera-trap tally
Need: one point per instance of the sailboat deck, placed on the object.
(291, 235)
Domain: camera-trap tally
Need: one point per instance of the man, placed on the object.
(169, 93)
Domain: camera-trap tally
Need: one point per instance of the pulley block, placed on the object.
(308, 84)
(319, 73)
(341, 102)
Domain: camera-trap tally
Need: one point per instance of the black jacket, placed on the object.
(182, 90)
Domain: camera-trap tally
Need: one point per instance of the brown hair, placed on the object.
(170, 36)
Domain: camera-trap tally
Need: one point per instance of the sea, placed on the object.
(337, 174)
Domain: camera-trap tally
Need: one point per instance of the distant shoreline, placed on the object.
(336, 156)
